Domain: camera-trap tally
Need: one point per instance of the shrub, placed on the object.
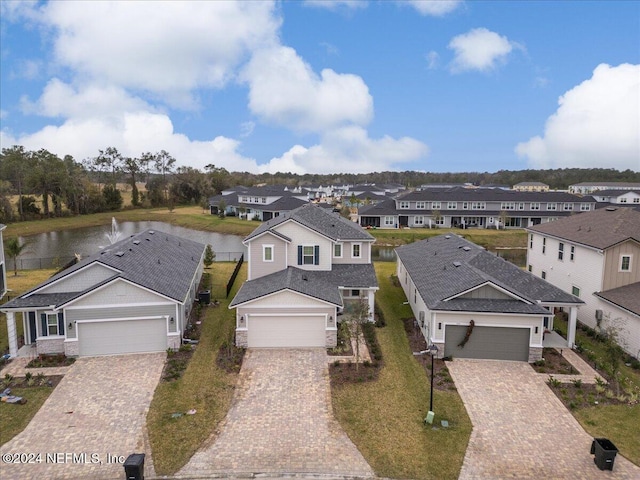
(554, 382)
(577, 383)
(380, 320)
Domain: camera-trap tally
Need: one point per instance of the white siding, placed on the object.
(117, 293)
(304, 236)
(286, 299)
(628, 324)
(259, 268)
(365, 253)
(80, 280)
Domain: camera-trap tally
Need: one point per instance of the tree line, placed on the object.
(70, 187)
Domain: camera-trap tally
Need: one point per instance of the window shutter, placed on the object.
(60, 323)
(43, 321)
(299, 254)
(316, 255)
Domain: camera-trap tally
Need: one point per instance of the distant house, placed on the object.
(134, 296)
(259, 203)
(587, 188)
(304, 268)
(472, 207)
(618, 197)
(3, 265)
(531, 187)
(473, 304)
(595, 256)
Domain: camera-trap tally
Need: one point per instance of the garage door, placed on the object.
(298, 331)
(498, 343)
(128, 336)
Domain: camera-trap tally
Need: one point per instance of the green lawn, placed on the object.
(516, 238)
(14, 418)
(385, 418)
(203, 387)
(618, 423)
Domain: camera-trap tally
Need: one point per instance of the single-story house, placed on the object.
(472, 304)
(134, 296)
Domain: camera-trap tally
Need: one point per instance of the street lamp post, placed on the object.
(433, 349)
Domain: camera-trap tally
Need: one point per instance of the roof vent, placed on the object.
(119, 254)
(136, 242)
(466, 249)
(456, 264)
(304, 278)
(611, 209)
(447, 236)
(152, 232)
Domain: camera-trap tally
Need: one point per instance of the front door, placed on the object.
(32, 327)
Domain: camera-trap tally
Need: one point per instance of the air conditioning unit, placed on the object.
(598, 314)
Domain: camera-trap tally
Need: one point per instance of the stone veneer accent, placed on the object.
(535, 354)
(50, 345)
(173, 342)
(332, 338)
(71, 349)
(242, 338)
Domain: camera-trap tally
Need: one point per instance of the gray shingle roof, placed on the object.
(322, 285)
(627, 297)
(155, 260)
(430, 264)
(491, 195)
(599, 228)
(321, 220)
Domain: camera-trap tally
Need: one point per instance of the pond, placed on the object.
(55, 249)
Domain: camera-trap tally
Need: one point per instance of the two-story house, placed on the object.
(594, 256)
(531, 187)
(258, 203)
(587, 188)
(472, 207)
(624, 198)
(304, 267)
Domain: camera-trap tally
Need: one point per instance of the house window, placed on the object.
(245, 199)
(52, 324)
(389, 221)
(478, 205)
(572, 253)
(585, 207)
(567, 206)
(552, 206)
(623, 199)
(507, 206)
(418, 220)
(404, 205)
(530, 268)
(625, 263)
(636, 200)
(264, 199)
(307, 255)
(355, 293)
(436, 205)
(452, 205)
(421, 205)
(535, 206)
(415, 295)
(544, 275)
(337, 250)
(267, 253)
(575, 291)
(531, 240)
(465, 205)
(356, 250)
(544, 245)
(440, 220)
(560, 251)
(521, 206)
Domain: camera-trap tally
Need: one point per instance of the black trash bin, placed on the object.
(605, 453)
(134, 466)
(204, 297)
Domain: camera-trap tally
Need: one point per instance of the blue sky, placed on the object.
(327, 87)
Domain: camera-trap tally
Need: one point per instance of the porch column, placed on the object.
(12, 333)
(571, 326)
(371, 298)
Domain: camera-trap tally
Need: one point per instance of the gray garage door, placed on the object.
(295, 331)
(128, 336)
(498, 343)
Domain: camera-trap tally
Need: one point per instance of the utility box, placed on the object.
(134, 467)
(605, 453)
(204, 297)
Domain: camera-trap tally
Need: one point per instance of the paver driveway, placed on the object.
(520, 428)
(99, 407)
(281, 421)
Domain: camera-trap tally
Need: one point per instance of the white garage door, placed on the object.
(298, 331)
(127, 336)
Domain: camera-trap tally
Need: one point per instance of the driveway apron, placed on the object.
(90, 423)
(521, 429)
(280, 422)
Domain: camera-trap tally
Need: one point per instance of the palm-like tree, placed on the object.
(13, 248)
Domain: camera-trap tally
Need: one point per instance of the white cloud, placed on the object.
(349, 149)
(479, 49)
(337, 4)
(285, 90)
(435, 8)
(246, 129)
(433, 60)
(597, 124)
(173, 47)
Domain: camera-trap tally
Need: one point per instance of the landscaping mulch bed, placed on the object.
(579, 395)
(46, 361)
(230, 357)
(554, 363)
(343, 373)
(177, 362)
(417, 343)
(37, 380)
(344, 347)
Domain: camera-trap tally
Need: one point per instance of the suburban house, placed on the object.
(472, 304)
(134, 296)
(3, 265)
(258, 203)
(618, 197)
(595, 256)
(304, 269)
(587, 188)
(472, 207)
(531, 187)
